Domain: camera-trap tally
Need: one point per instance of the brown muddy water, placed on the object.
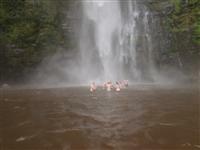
(142, 117)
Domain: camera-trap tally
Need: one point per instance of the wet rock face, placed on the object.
(180, 48)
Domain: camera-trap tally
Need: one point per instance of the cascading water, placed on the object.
(115, 42)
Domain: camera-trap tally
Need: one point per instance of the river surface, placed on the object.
(144, 117)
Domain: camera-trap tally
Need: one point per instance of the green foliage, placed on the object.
(185, 18)
(180, 20)
(197, 31)
(177, 5)
(29, 30)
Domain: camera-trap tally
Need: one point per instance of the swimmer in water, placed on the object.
(121, 84)
(126, 83)
(93, 87)
(109, 85)
(117, 87)
(104, 85)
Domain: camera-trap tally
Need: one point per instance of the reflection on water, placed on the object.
(146, 117)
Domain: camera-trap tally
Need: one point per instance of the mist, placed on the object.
(116, 40)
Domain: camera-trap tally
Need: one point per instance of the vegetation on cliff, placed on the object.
(185, 17)
(184, 24)
(180, 19)
(29, 30)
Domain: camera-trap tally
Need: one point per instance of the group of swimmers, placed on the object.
(117, 86)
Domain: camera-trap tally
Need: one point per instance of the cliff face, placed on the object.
(180, 27)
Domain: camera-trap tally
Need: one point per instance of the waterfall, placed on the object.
(116, 41)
